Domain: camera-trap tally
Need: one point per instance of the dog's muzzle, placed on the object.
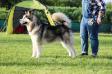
(22, 22)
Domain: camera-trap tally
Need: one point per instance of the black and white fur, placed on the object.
(43, 32)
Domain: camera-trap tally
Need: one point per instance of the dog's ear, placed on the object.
(25, 12)
(32, 11)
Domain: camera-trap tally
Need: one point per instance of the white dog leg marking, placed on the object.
(71, 44)
(38, 51)
(33, 47)
(33, 52)
(66, 47)
(38, 54)
(36, 47)
(70, 48)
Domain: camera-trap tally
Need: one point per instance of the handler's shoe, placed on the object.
(83, 54)
(94, 55)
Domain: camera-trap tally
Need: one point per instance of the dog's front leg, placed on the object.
(33, 46)
(33, 52)
(36, 50)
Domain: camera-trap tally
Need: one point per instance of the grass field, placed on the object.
(15, 57)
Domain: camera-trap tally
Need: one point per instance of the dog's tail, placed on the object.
(61, 18)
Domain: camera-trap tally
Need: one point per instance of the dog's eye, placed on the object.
(28, 17)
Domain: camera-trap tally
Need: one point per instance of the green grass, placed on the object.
(15, 57)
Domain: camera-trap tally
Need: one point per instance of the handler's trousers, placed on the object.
(89, 31)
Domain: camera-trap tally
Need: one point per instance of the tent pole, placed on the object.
(47, 14)
(10, 22)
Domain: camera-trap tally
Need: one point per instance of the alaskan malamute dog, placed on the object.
(43, 32)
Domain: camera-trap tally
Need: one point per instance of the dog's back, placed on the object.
(51, 33)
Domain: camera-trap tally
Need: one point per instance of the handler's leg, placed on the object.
(84, 37)
(93, 31)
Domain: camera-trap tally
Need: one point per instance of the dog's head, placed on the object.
(27, 17)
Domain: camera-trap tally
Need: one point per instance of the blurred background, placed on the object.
(71, 8)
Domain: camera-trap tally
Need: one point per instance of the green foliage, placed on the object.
(15, 57)
(3, 13)
(71, 3)
(109, 6)
(74, 13)
(108, 16)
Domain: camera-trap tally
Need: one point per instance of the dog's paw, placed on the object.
(33, 56)
(73, 55)
(37, 56)
(69, 55)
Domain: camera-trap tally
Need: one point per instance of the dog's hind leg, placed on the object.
(70, 49)
(69, 45)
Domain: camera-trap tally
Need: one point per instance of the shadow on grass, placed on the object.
(45, 63)
(59, 61)
(105, 57)
(42, 61)
(14, 41)
(97, 57)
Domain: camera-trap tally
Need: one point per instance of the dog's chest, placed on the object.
(33, 31)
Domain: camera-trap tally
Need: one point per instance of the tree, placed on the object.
(71, 3)
(8, 3)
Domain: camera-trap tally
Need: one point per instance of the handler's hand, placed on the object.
(99, 20)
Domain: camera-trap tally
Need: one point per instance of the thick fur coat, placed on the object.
(44, 32)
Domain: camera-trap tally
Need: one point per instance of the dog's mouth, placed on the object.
(25, 23)
(22, 22)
